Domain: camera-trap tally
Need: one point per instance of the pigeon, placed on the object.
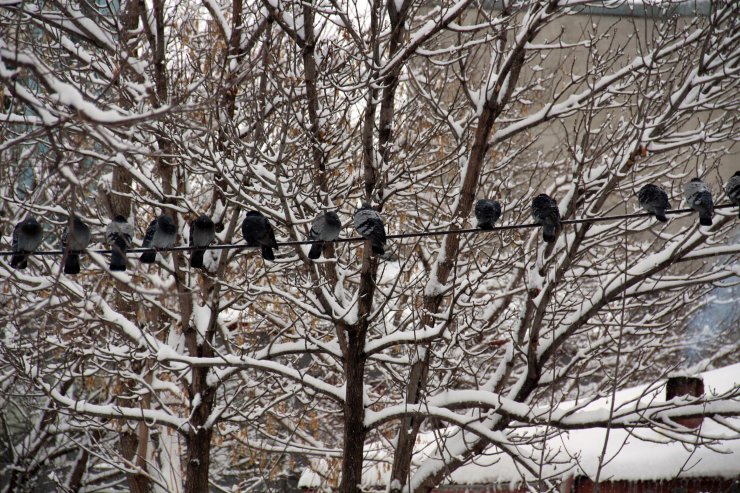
(119, 234)
(74, 242)
(370, 226)
(27, 236)
(325, 227)
(699, 198)
(654, 200)
(258, 231)
(545, 212)
(732, 189)
(487, 213)
(202, 233)
(161, 233)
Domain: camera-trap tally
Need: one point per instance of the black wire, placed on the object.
(357, 239)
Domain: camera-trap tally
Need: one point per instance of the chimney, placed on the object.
(691, 386)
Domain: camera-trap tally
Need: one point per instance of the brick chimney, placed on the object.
(691, 386)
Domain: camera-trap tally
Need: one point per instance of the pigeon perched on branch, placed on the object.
(27, 236)
(654, 200)
(546, 213)
(202, 233)
(732, 189)
(119, 234)
(258, 231)
(74, 242)
(699, 198)
(325, 228)
(161, 233)
(370, 226)
(487, 213)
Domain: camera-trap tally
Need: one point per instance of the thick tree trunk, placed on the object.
(354, 413)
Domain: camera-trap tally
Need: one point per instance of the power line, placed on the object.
(358, 239)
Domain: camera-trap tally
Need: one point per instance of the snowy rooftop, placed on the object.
(630, 454)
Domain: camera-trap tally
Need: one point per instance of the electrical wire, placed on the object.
(357, 239)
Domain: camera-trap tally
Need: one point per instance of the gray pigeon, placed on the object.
(202, 233)
(161, 233)
(654, 200)
(370, 226)
(546, 213)
(325, 227)
(27, 236)
(74, 242)
(258, 231)
(732, 189)
(699, 198)
(119, 234)
(487, 213)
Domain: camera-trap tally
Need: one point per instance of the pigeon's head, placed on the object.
(31, 226)
(332, 218)
(119, 219)
(737, 173)
(204, 221)
(696, 180)
(254, 213)
(77, 221)
(167, 224)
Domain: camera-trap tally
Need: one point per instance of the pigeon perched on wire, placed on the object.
(699, 198)
(325, 227)
(161, 233)
(119, 235)
(487, 213)
(732, 189)
(74, 242)
(545, 212)
(27, 236)
(202, 233)
(654, 200)
(258, 231)
(370, 226)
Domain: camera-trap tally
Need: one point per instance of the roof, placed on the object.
(631, 455)
(636, 8)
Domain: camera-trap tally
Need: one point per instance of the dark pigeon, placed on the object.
(119, 234)
(161, 233)
(326, 227)
(487, 213)
(74, 242)
(732, 189)
(545, 212)
(699, 198)
(27, 236)
(370, 226)
(202, 233)
(258, 231)
(654, 200)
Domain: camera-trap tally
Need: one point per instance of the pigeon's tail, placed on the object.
(267, 253)
(118, 259)
(549, 232)
(196, 259)
(19, 261)
(315, 251)
(378, 247)
(486, 225)
(705, 218)
(72, 263)
(148, 257)
(660, 216)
